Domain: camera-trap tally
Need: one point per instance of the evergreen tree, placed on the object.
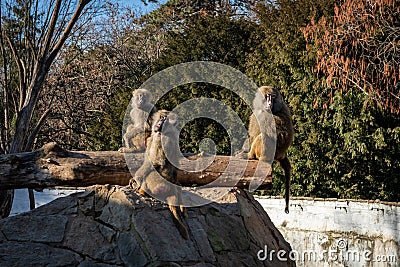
(344, 147)
(224, 39)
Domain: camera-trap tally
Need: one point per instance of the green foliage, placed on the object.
(206, 38)
(219, 39)
(202, 127)
(287, 65)
(106, 131)
(344, 146)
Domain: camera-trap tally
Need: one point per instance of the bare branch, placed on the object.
(39, 40)
(68, 29)
(34, 132)
(50, 30)
(18, 61)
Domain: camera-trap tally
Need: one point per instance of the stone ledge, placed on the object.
(112, 225)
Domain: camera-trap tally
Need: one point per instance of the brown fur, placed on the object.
(284, 133)
(139, 128)
(158, 170)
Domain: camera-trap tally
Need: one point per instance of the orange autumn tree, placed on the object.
(359, 48)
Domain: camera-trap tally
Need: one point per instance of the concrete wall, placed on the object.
(321, 232)
(338, 232)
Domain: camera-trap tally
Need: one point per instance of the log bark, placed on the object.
(53, 166)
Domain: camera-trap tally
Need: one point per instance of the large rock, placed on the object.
(112, 225)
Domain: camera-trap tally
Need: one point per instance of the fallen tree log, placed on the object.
(52, 166)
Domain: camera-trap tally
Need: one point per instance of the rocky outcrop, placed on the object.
(112, 225)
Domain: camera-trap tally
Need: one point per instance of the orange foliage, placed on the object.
(360, 48)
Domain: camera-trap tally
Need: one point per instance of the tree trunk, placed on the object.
(53, 166)
(30, 89)
(6, 200)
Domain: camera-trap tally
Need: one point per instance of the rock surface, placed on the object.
(113, 226)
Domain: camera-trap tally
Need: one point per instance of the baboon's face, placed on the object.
(158, 125)
(272, 100)
(164, 119)
(141, 97)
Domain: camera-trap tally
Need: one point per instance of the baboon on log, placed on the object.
(272, 101)
(139, 128)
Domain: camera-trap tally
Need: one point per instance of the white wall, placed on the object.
(21, 198)
(338, 232)
(350, 232)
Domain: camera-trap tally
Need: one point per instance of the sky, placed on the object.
(136, 5)
(140, 6)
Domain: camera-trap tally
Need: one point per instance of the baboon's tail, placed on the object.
(285, 164)
(177, 218)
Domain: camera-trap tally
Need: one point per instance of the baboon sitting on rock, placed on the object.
(158, 174)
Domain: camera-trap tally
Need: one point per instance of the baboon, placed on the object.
(139, 128)
(158, 169)
(272, 102)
